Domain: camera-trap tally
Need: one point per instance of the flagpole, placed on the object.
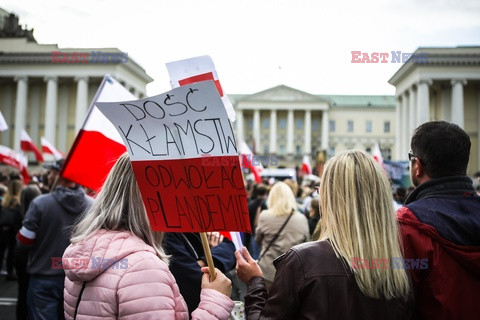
(208, 255)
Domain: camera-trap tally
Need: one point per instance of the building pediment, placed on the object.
(282, 93)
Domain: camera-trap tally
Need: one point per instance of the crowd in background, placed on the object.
(283, 215)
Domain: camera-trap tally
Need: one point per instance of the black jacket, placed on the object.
(185, 249)
(312, 283)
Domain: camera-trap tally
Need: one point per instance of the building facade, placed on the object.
(47, 91)
(445, 85)
(290, 123)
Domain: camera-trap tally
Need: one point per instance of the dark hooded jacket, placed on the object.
(440, 222)
(48, 224)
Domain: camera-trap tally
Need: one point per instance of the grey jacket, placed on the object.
(50, 219)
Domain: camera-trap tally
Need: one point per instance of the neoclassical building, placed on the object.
(47, 90)
(445, 87)
(290, 123)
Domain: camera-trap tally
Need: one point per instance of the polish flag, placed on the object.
(27, 145)
(97, 145)
(16, 160)
(47, 147)
(198, 69)
(306, 167)
(3, 123)
(377, 155)
(247, 162)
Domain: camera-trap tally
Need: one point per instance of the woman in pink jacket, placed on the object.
(116, 268)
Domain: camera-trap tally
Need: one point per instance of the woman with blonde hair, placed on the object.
(349, 273)
(116, 267)
(279, 228)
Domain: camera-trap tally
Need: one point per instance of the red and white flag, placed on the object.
(27, 145)
(198, 69)
(3, 123)
(247, 161)
(377, 155)
(97, 145)
(16, 160)
(47, 147)
(306, 167)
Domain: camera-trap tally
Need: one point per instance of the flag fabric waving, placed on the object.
(306, 167)
(27, 145)
(48, 148)
(198, 69)
(247, 162)
(3, 123)
(16, 160)
(97, 145)
(377, 155)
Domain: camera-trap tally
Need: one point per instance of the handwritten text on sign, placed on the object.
(166, 137)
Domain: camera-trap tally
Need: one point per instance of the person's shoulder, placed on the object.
(319, 258)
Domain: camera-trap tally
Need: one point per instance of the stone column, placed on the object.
(324, 145)
(51, 109)
(82, 102)
(398, 131)
(273, 131)
(458, 114)
(20, 109)
(34, 113)
(290, 133)
(412, 111)
(423, 102)
(307, 144)
(7, 108)
(63, 105)
(405, 128)
(256, 131)
(240, 128)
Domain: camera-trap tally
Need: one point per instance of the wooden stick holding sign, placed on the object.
(185, 159)
(208, 255)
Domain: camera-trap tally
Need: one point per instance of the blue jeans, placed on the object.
(45, 297)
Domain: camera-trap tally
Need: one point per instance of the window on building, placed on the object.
(369, 150)
(266, 123)
(368, 126)
(281, 150)
(350, 126)
(387, 153)
(299, 124)
(266, 149)
(331, 125)
(298, 150)
(282, 123)
(250, 124)
(386, 126)
(315, 125)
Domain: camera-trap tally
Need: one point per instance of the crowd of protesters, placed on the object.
(327, 246)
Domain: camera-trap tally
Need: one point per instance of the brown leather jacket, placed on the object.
(312, 283)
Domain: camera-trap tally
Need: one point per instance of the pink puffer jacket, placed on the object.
(125, 279)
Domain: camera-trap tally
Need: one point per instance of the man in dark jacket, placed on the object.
(46, 232)
(187, 258)
(440, 222)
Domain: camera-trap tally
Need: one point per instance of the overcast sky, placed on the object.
(258, 44)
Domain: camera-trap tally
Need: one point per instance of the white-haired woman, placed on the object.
(279, 228)
(348, 273)
(116, 268)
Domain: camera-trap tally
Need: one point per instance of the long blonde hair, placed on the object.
(359, 221)
(119, 206)
(281, 200)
